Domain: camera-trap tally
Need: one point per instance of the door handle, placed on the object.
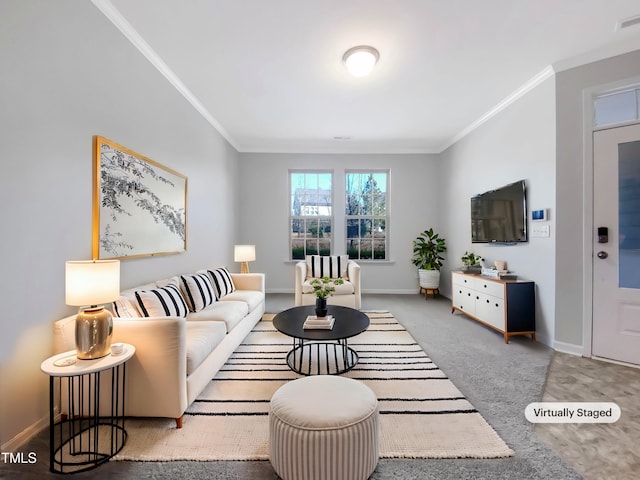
(602, 255)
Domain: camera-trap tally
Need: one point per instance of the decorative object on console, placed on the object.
(323, 288)
(92, 282)
(244, 254)
(427, 248)
(471, 262)
(501, 265)
(139, 206)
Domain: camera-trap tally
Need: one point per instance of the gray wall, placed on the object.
(570, 195)
(414, 204)
(518, 143)
(68, 74)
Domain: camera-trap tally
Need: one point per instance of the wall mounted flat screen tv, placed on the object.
(500, 215)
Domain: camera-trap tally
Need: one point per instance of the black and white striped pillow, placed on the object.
(197, 290)
(334, 266)
(165, 301)
(222, 282)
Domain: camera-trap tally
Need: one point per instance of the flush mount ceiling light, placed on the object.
(360, 60)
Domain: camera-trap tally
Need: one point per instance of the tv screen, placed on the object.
(500, 216)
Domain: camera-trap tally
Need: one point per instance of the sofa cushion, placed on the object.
(222, 281)
(252, 298)
(202, 339)
(197, 290)
(345, 289)
(332, 266)
(229, 312)
(162, 302)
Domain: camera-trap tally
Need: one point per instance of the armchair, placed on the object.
(347, 294)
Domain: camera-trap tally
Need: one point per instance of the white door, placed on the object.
(616, 259)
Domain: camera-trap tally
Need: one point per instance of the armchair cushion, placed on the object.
(333, 266)
(345, 289)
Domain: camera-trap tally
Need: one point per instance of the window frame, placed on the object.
(305, 218)
(368, 217)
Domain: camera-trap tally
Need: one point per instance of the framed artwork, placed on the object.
(139, 206)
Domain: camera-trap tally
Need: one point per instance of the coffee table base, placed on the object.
(321, 358)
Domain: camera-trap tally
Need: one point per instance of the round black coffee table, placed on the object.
(321, 352)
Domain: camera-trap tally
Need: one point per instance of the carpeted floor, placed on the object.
(422, 413)
(498, 379)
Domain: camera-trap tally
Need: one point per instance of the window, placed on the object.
(617, 107)
(366, 214)
(310, 213)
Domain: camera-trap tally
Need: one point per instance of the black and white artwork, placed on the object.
(139, 204)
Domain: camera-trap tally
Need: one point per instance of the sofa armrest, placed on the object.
(157, 373)
(353, 271)
(300, 277)
(249, 281)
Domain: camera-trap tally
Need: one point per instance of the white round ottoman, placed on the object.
(323, 427)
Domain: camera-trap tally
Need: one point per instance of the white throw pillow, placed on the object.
(222, 281)
(122, 308)
(197, 290)
(334, 266)
(162, 302)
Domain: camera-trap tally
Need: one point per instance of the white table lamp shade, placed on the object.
(244, 253)
(92, 282)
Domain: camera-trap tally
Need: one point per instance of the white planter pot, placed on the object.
(429, 278)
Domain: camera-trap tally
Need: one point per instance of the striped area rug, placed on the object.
(422, 413)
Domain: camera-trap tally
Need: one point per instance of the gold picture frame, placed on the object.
(139, 205)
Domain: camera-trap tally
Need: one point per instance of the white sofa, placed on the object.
(176, 357)
(347, 295)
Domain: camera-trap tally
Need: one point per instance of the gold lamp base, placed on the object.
(244, 267)
(94, 329)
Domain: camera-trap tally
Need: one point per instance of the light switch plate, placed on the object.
(540, 230)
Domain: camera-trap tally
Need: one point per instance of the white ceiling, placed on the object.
(269, 74)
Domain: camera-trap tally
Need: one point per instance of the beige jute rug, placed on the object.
(422, 413)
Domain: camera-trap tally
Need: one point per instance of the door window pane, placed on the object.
(616, 108)
(629, 215)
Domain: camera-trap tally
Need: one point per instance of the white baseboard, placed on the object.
(27, 434)
(569, 348)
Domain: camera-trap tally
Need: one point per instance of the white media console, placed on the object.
(507, 306)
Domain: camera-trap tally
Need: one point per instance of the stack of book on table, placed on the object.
(325, 323)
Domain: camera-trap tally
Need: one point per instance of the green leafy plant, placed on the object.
(325, 286)
(427, 249)
(470, 259)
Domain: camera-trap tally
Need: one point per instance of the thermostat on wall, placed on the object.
(539, 215)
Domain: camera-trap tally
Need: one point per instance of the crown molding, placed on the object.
(118, 20)
(536, 80)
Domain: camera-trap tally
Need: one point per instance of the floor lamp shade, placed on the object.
(244, 254)
(88, 284)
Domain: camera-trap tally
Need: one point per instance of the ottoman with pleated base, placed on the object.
(324, 427)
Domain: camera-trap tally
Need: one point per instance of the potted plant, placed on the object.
(471, 262)
(427, 249)
(324, 287)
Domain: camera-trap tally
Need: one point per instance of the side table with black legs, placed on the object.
(91, 392)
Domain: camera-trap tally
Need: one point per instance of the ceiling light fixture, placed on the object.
(360, 60)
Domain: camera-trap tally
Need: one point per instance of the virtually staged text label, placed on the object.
(572, 412)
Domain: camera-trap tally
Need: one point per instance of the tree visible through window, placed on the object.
(366, 215)
(311, 213)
